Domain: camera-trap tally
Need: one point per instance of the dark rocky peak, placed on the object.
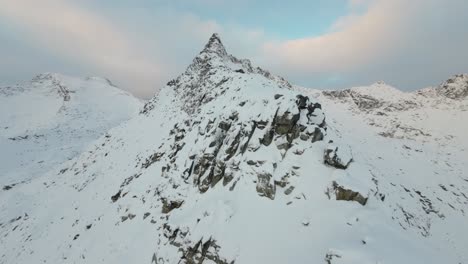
(211, 74)
(215, 46)
(214, 56)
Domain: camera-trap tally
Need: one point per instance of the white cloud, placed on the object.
(396, 40)
(81, 35)
(408, 43)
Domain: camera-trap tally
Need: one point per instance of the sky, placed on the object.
(324, 44)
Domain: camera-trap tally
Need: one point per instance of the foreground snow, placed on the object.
(228, 164)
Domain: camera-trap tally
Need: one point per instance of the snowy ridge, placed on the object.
(400, 114)
(52, 118)
(228, 164)
(455, 87)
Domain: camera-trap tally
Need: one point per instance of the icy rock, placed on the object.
(203, 252)
(338, 157)
(332, 254)
(265, 187)
(168, 206)
(286, 123)
(305, 121)
(344, 194)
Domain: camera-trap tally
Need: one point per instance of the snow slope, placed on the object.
(231, 164)
(52, 119)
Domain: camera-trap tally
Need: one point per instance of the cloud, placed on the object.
(142, 45)
(137, 47)
(408, 43)
(81, 35)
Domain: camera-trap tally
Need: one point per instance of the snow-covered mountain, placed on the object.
(231, 164)
(52, 119)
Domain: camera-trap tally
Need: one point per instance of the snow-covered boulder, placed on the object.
(338, 156)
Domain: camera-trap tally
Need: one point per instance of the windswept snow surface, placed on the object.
(231, 164)
(52, 119)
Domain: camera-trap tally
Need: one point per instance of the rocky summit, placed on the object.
(229, 163)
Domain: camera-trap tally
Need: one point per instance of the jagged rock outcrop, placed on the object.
(226, 138)
(342, 193)
(454, 88)
(338, 157)
(202, 251)
(168, 206)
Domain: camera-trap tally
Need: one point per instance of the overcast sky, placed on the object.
(329, 44)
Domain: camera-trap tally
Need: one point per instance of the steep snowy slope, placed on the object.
(231, 164)
(51, 119)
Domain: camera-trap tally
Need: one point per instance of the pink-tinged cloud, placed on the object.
(397, 40)
(81, 36)
(355, 40)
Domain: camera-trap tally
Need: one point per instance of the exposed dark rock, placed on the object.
(168, 206)
(289, 190)
(343, 194)
(172, 83)
(268, 137)
(201, 251)
(233, 146)
(224, 125)
(330, 256)
(278, 96)
(332, 158)
(302, 101)
(265, 187)
(251, 162)
(318, 135)
(285, 123)
(252, 131)
(116, 196)
(145, 215)
(218, 172)
(152, 159)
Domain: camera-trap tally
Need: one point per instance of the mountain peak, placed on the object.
(455, 88)
(215, 45)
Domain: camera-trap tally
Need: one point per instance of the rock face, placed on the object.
(338, 157)
(343, 194)
(246, 126)
(168, 206)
